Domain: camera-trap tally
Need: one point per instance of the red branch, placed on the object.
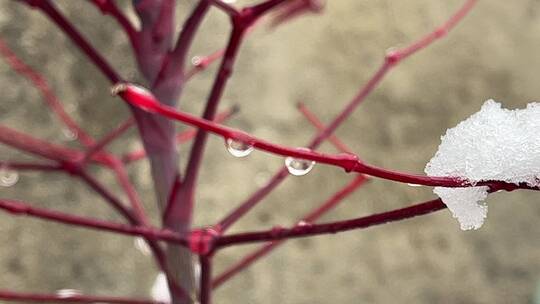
(321, 127)
(109, 7)
(181, 137)
(20, 208)
(143, 99)
(50, 298)
(278, 233)
(306, 220)
(43, 87)
(48, 8)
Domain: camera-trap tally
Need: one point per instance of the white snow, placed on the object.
(160, 289)
(493, 144)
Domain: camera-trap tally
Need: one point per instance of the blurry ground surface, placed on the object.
(321, 60)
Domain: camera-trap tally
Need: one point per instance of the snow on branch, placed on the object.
(494, 144)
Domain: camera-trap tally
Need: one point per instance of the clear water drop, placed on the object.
(69, 134)
(298, 166)
(238, 148)
(303, 224)
(196, 60)
(8, 177)
(68, 293)
(414, 185)
(141, 245)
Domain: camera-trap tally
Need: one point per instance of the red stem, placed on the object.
(249, 203)
(133, 197)
(334, 227)
(109, 138)
(109, 7)
(48, 8)
(349, 162)
(218, 87)
(37, 146)
(45, 90)
(181, 137)
(227, 8)
(340, 146)
(21, 166)
(173, 67)
(205, 296)
(278, 233)
(308, 219)
(20, 208)
(12, 296)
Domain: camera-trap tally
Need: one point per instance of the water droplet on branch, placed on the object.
(196, 60)
(69, 134)
(68, 293)
(8, 177)
(298, 166)
(238, 148)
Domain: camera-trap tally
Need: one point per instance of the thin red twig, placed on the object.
(141, 98)
(26, 166)
(51, 100)
(340, 146)
(311, 217)
(109, 7)
(279, 233)
(19, 208)
(109, 138)
(48, 9)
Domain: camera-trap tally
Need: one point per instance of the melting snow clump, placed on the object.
(160, 289)
(493, 144)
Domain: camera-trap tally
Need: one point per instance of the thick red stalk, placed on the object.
(205, 294)
(311, 217)
(172, 72)
(12, 296)
(20, 208)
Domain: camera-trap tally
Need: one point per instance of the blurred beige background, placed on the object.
(321, 60)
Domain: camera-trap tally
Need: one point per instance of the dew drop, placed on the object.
(8, 177)
(414, 185)
(141, 245)
(68, 293)
(196, 60)
(69, 134)
(298, 166)
(303, 224)
(238, 148)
